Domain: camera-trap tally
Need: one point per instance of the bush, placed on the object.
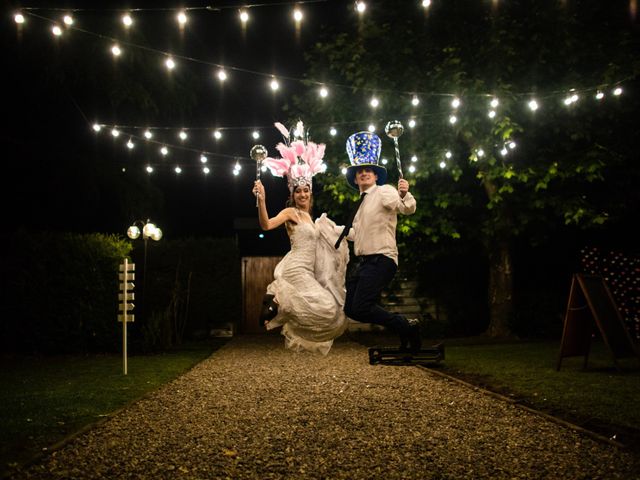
(59, 292)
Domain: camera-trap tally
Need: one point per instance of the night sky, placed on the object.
(61, 175)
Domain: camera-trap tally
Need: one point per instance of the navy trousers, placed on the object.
(364, 286)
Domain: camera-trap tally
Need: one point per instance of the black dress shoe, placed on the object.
(269, 309)
(415, 340)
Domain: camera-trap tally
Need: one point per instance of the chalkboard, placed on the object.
(591, 305)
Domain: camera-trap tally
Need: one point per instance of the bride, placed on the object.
(308, 285)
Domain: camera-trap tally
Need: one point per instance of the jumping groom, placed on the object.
(374, 237)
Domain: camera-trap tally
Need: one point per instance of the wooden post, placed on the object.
(126, 295)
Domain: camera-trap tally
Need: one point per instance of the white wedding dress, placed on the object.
(309, 287)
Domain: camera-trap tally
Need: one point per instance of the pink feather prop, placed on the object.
(298, 147)
(278, 166)
(283, 130)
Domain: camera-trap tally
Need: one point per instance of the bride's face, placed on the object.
(302, 198)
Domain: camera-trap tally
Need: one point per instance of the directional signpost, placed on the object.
(125, 306)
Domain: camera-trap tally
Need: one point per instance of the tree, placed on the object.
(521, 174)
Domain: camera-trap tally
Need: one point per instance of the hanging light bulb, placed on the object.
(599, 95)
(96, 127)
(374, 102)
(164, 151)
(412, 168)
(115, 132)
(149, 169)
(415, 101)
(412, 123)
(68, 20)
(324, 92)
(57, 31)
(297, 15)
(492, 114)
(170, 64)
(203, 158)
(343, 170)
(333, 132)
(448, 154)
(414, 158)
(453, 119)
(504, 151)
(533, 105)
(130, 144)
(371, 128)
(244, 16)
(617, 91)
(183, 135)
(182, 18)
(217, 134)
(147, 134)
(494, 102)
(385, 161)
(127, 20)
(255, 134)
(480, 153)
(18, 18)
(426, 3)
(178, 170)
(455, 103)
(116, 51)
(361, 7)
(205, 170)
(443, 164)
(274, 85)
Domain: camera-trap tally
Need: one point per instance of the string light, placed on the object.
(130, 144)
(617, 91)
(217, 135)
(206, 170)
(19, 18)
(412, 123)
(182, 18)
(203, 159)
(492, 113)
(255, 134)
(343, 170)
(414, 158)
(512, 145)
(533, 105)
(453, 119)
(371, 128)
(448, 154)
(426, 3)
(324, 92)
(385, 161)
(96, 127)
(164, 151)
(412, 168)
(297, 15)
(183, 135)
(149, 169)
(455, 103)
(480, 153)
(274, 85)
(494, 102)
(178, 170)
(443, 164)
(115, 132)
(244, 16)
(333, 132)
(222, 75)
(115, 50)
(57, 31)
(374, 102)
(415, 101)
(599, 95)
(148, 135)
(127, 20)
(170, 64)
(504, 151)
(361, 7)
(68, 20)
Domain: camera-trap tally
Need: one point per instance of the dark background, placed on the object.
(60, 175)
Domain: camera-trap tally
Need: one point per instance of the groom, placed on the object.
(374, 237)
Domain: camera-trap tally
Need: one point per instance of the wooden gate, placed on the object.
(257, 273)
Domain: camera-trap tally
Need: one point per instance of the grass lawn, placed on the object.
(598, 398)
(45, 399)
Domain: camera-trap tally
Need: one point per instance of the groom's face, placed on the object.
(365, 178)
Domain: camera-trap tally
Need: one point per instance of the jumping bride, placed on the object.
(308, 287)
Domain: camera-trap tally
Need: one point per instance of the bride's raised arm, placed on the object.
(266, 223)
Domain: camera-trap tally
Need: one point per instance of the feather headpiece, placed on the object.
(300, 159)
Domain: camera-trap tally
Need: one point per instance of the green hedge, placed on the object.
(59, 291)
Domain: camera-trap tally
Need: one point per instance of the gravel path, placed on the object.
(253, 410)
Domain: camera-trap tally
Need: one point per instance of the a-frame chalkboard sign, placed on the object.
(592, 305)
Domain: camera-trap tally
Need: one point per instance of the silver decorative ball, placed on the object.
(258, 153)
(394, 129)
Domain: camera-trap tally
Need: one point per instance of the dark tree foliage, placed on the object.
(573, 171)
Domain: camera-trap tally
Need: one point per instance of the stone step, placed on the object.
(401, 301)
(403, 309)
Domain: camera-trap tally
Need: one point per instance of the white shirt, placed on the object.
(374, 226)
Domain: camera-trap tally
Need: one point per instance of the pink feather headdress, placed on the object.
(300, 159)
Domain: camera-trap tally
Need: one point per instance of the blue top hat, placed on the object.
(363, 149)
